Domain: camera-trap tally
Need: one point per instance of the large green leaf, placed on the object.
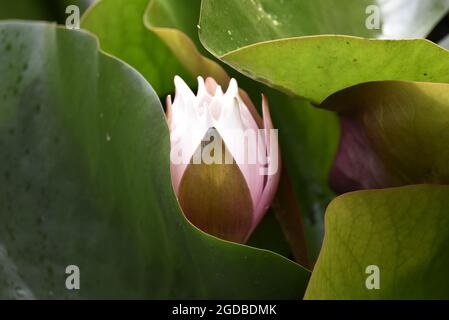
(312, 64)
(402, 231)
(85, 180)
(119, 26)
(394, 133)
(232, 24)
(316, 67)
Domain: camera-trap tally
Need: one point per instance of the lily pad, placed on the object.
(229, 25)
(309, 60)
(85, 181)
(393, 240)
(316, 67)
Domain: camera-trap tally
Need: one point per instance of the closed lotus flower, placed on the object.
(224, 158)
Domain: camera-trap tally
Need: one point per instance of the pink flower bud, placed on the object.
(225, 161)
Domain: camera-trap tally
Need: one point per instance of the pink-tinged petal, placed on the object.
(274, 167)
(251, 108)
(176, 171)
(168, 111)
(356, 165)
(247, 117)
(211, 85)
(267, 122)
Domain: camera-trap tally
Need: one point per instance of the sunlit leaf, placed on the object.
(306, 59)
(403, 232)
(232, 24)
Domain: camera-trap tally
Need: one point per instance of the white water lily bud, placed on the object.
(225, 162)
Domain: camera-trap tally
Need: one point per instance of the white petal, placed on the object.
(183, 90)
(233, 89)
(203, 98)
(218, 91)
(216, 106)
(189, 125)
(201, 87)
